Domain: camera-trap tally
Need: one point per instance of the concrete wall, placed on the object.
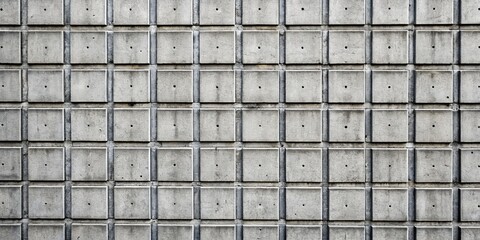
(247, 119)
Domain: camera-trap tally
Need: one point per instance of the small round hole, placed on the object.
(216, 9)
(218, 125)
(88, 86)
(346, 9)
(433, 125)
(131, 47)
(259, 9)
(174, 86)
(46, 164)
(346, 205)
(433, 86)
(44, 9)
(389, 205)
(346, 126)
(433, 205)
(389, 86)
(303, 9)
(173, 47)
(88, 204)
(389, 47)
(346, 165)
(86, 9)
(259, 47)
(174, 9)
(46, 47)
(260, 165)
(389, 8)
(433, 9)
(45, 86)
(346, 47)
(303, 165)
(433, 165)
(389, 165)
(130, 9)
(259, 125)
(303, 86)
(301, 47)
(433, 46)
(303, 126)
(131, 126)
(216, 86)
(174, 164)
(218, 47)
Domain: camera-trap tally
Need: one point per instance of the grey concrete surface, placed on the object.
(239, 119)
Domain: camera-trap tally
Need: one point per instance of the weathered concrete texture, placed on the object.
(239, 119)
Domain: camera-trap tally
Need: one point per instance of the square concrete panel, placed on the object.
(131, 125)
(398, 233)
(131, 86)
(45, 86)
(389, 165)
(217, 125)
(303, 47)
(10, 86)
(46, 164)
(45, 12)
(46, 202)
(217, 12)
(303, 12)
(217, 203)
(260, 203)
(260, 125)
(390, 47)
(217, 86)
(469, 86)
(346, 125)
(260, 47)
(45, 47)
(390, 204)
(433, 165)
(10, 14)
(303, 203)
(89, 124)
(175, 232)
(11, 231)
(175, 203)
(469, 48)
(469, 165)
(346, 47)
(175, 164)
(263, 12)
(389, 125)
(175, 47)
(173, 12)
(434, 47)
(50, 231)
(89, 202)
(89, 231)
(469, 12)
(88, 12)
(131, 12)
(133, 231)
(433, 125)
(303, 125)
(346, 86)
(88, 164)
(303, 165)
(434, 12)
(131, 202)
(390, 12)
(346, 165)
(346, 12)
(45, 124)
(347, 204)
(389, 86)
(260, 164)
(131, 164)
(88, 47)
(11, 198)
(470, 125)
(260, 232)
(88, 86)
(217, 47)
(469, 202)
(217, 232)
(10, 164)
(306, 232)
(131, 48)
(347, 232)
(433, 204)
(175, 86)
(260, 86)
(469, 233)
(10, 124)
(217, 164)
(10, 47)
(175, 125)
(434, 87)
(303, 86)
(434, 233)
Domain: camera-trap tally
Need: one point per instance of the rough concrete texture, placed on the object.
(239, 119)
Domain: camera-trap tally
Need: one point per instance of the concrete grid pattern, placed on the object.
(246, 119)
